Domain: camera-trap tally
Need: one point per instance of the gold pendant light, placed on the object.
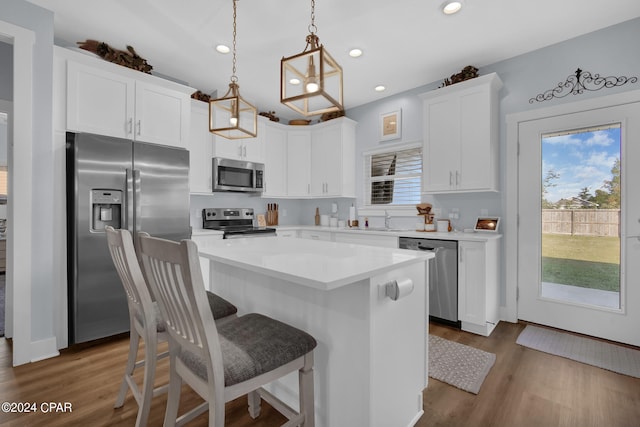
(311, 81)
(231, 116)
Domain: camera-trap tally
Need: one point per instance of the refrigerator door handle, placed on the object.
(129, 202)
(136, 200)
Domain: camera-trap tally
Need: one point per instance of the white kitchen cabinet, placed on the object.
(298, 163)
(333, 159)
(106, 100)
(245, 149)
(461, 136)
(315, 235)
(367, 239)
(200, 146)
(286, 233)
(275, 161)
(478, 292)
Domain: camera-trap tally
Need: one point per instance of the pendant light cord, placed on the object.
(234, 78)
(312, 27)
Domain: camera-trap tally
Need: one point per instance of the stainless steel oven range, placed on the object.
(236, 223)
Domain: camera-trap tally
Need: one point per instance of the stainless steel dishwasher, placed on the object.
(443, 276)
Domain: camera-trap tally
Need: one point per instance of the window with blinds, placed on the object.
(394, 177)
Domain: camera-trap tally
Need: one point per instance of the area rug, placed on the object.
(458, 365)
(604, 355)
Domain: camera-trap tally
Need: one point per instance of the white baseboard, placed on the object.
(44, 349)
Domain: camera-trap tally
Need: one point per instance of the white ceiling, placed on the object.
(407, 43)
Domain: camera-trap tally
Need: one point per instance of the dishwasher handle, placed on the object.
(426, 248)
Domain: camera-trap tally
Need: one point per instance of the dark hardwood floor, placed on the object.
(524, 388)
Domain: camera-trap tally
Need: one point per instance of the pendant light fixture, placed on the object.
(311, 81)
(231, 116)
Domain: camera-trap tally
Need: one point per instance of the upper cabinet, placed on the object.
(321, 160)
(298, 163)
(461, 137)
(246, 149)
(275, 161)
(200, 146)
(333, 159)
(111, 100)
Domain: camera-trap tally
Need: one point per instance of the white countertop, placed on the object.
(454, 235)
(317, 264)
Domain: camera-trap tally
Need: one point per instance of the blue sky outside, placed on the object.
(582, 159)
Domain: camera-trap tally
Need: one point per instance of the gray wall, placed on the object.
(609, 52)
(40, 21)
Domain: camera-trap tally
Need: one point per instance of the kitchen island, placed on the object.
(371, 359)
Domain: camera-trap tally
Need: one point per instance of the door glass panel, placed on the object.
(581, 216)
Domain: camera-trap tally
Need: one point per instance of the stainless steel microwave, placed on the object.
(236, 175)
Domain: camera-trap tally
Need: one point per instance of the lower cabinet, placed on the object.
(287, 233)
(368, 239)
(478, 297)
(315, 235)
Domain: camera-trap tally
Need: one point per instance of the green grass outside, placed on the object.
(585, 261)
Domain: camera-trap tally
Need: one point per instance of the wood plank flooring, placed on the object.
(524, 388)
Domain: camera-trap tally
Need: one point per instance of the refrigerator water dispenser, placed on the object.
(106, 208)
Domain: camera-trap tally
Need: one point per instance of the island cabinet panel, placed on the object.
(370, 363)
(200, 146)
(113, 102)
(478, 292)
(461, 137)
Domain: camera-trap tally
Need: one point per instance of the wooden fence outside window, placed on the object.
(582, 222)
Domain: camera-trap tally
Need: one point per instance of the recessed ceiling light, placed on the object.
(379, 88)
(223, 48)
(354, 53)
(294, 81)
(451, 7)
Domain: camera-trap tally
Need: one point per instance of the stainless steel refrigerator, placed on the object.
(125, 184)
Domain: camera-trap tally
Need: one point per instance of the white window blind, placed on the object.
(394, 177)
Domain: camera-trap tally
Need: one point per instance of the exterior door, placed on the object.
(556, 268)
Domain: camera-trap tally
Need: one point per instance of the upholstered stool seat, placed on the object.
(246, 355)
(220, 308)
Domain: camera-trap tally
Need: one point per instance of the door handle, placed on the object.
(139, 126)
(136, 200)
(129, 203)
(450, 178)
(130, 127)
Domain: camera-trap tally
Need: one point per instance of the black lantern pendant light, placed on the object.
(231, 116)
(311, 81)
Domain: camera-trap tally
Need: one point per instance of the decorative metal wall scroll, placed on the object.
(580, 82)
